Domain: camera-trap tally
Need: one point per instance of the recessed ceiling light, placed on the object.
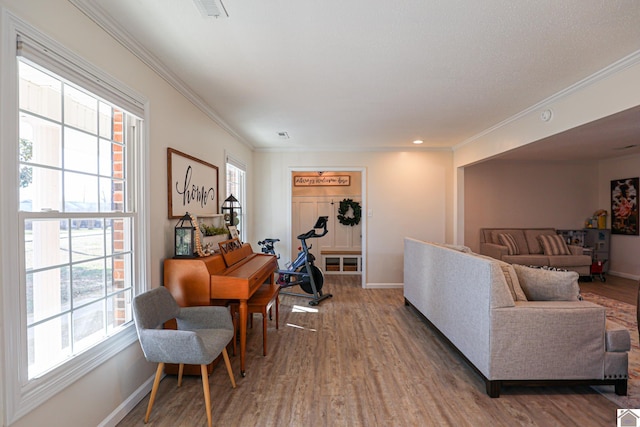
(418, 141)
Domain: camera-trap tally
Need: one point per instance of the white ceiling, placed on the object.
(613, 136)
(371, 74)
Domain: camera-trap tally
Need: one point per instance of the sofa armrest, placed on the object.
(576, 250)
(617, 338)
(493, 250)
(550, 340)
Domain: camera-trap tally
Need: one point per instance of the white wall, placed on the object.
(625, 250)
(528, 194)
(409, 194)
(174, 122)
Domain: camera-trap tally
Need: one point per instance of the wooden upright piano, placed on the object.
(234, 274)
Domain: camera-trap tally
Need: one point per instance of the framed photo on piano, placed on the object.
(233, 231)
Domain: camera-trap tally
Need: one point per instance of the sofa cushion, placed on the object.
(518, 235)
(511, 277)
(547, 285)
(531, 236)
(553, 245)
(509, 241)
(569, 260)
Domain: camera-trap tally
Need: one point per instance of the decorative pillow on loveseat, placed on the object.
(547, 285)
(553, 244)
(509, 241)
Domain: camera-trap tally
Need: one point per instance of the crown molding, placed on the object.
(347, 149)
(94, 12)
(616, 67)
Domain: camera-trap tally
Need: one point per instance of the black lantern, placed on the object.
(232, 211)
(185, 238)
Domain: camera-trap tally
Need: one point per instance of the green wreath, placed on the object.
(345, 205)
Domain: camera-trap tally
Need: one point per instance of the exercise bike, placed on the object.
(302, 271)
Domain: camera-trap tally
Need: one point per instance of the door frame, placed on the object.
(363, 195)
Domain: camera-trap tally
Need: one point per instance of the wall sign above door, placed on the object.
(321, 181)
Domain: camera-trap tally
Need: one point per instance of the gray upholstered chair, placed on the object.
(202, 334)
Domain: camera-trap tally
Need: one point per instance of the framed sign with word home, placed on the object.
(192, 185)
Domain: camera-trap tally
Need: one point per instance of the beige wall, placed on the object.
(408, 193)
(174, 122)
(353, 189)
(528, 194)
(624, 260)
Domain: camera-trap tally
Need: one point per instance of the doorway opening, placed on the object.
(330, 192)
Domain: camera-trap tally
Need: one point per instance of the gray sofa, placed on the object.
(530, 251)
(484, 308)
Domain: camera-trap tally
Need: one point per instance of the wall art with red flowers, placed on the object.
(624, 206)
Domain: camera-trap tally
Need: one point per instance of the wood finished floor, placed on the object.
(625, 290)
(362, 359)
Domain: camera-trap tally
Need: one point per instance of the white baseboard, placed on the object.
(383, 285)
(623, 275)
(127, 406)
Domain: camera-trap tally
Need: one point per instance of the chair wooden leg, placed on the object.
(225, 355)
(154, 390)
(180, 371)
(235, 332)
(264, 333)
(207, 393)
(277, 310)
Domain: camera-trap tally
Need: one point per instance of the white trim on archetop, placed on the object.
(608, 71)
(119, 33)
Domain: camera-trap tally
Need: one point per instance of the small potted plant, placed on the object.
(212, 234)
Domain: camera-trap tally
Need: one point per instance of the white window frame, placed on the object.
(22, 396)
(242, 198)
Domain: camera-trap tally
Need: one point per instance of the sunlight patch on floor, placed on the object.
(303, 309)
(301, 327)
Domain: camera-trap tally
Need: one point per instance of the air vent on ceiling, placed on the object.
(210, 8)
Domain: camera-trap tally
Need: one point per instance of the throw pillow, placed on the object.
(553, 244)
(511, 277)
(508, 241)
(547, 285)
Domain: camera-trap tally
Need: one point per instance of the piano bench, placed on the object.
(262, 301)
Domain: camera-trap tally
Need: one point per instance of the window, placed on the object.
(75, 220)
(78, 255)
(236, 172)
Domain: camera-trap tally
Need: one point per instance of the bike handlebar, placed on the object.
(311, 234)
(268, 241)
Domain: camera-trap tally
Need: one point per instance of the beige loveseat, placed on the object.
(529, 250)
(512, 323)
